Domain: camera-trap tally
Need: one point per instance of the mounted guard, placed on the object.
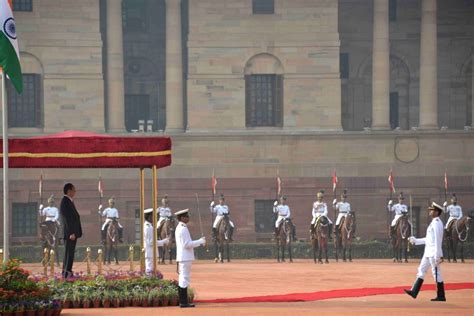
(320, 209)
(164, 211)
(50, 214)
(220, 210)
(400, 210)
(111, 213)
(454, 210)
(344, 209)
(284, 213)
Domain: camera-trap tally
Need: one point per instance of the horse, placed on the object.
(345, 234)
(111, 242)
(319, 239)
(458, 231)
(400, 239)
(222, 238)
(167, 231)
(283, 239)
(49, 232)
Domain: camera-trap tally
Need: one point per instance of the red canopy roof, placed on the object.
(80, 149)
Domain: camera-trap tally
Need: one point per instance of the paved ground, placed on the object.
(263, 277)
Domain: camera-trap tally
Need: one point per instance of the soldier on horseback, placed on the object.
(344, 208)
(111, 213)
(284, 213)
(454, 210)
(164, 211)
(320, 209)
(400, 210)
(50, 213)
(220, 210)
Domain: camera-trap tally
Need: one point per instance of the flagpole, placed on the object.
(6, 190)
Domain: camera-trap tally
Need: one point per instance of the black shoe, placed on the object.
(440, 297)
(415, 289)
(183, 298)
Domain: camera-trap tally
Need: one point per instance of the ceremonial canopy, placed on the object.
(78, 149)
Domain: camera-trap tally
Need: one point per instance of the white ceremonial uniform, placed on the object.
(164, 212)
(433, 249)
(148, 237)
(50, 213)
(320, 209)
(399, 210)
(185, 253)
(344, 209)
(220, 211)
(455, 212)
(283, 213)
(110, 212)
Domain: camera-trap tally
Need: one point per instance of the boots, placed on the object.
(214, 233)
(440, 297)
(330, 231)
(183, 298)
(231, 233)
(103, 232)
(416, 288)
(120, 232)
(336, 232)
(275, 233)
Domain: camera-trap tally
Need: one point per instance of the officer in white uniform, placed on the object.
(283, 211)
(320, 209)
(433, 254)
(454, 210)
(148, 239)
(164, 212)
(220, 210)
(185, 255)
(343, 207)
(50, 212)
(400, 209)
(111, 213)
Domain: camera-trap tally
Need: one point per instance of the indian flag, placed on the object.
(9, 53)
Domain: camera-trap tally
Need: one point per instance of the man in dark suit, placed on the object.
(72, 228)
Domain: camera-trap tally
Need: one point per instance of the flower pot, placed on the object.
(173, 301)
(29, 313)
(7, 313)
(145, 303)
(57, 311)
(49, 312)
(116, 302)
(156, 302)
(136, 302)
(164, 302)
(40, 312)
(126, 302)
(18, 313)
(86, 303)
(66, 304)
(76, 304)
(96, 303)
(106, 303)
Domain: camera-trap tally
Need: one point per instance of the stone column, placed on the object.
(380, 67)
(174, 68)
(115, 81)
(428, 66)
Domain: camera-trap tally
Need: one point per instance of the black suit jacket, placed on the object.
(71, 218)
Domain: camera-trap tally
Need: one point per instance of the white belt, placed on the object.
(50, 217)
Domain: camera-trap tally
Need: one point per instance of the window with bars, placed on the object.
(264, 100)
(263, 6)
(24, 219)
(344, 65)
(23, 5)
(392, 10)
(137, 107)
(138, 239)
(25, 109)
(134, 15)
(264, 222)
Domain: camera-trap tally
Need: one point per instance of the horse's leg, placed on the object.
(221, 252)
(462, 252)
(289, 252)
(314, 245)
(116, 255)
(455, 248)
(405, 249)
(170, 252)
(227, 250)
(350, 251)
(448, 248)
(283, 246)
(216, 257)
(336, 248)
(344, 251)
(326, 251)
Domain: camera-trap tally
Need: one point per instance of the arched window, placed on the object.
(26, 109)
(263, 91)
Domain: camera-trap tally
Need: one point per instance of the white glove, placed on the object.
(212, 203)
(166, 241)
(334, 202)
(390, 202)
(275, 203)
(412, 240)
(202, 240)
(41, 207)
(100, 207)
(445, 203)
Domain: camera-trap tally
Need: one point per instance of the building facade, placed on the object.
(248, 90)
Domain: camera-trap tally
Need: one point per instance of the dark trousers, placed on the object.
(70, 248)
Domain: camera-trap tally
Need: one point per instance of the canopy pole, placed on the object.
(142, 216)
(6, 203)
(155, 219)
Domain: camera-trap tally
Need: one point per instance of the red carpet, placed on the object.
(324, 295)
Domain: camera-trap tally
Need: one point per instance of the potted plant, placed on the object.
(162, 298)
(191, 295)
(106, 299)
(136, 300)
(7, 309)
(40, 307)
(19, 309)
(66, 300)
(76, 299)
(56, 308)
(96, 299)
(86, 299)
(29, 307)
(153, 297)
(115, 299)
(144, 298)
(126, 298)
